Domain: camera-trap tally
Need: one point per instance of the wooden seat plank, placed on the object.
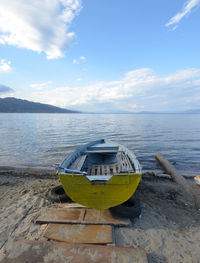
(98, 170)
(78, 163)
(89, 170)
(102, 170)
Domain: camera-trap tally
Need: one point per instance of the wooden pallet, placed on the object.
(102, 169)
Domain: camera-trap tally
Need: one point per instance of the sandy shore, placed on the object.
(169, 227)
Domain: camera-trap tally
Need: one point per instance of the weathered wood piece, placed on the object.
(108, 169)
(162, 175)
(81, 216)
(84, 234)
(101, 169)
(72, 215)
(177, 177)
(128, 163)
(103, 217)
(59, 252)
(124, 163)
(93, 170)
(89, 170)
(114, 169)
(78, 163)
(70, 205)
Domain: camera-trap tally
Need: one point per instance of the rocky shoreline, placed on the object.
(168, 229)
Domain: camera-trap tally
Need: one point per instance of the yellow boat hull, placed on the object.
(100, 196)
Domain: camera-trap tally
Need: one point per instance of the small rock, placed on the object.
(47, 202)
(24, 192)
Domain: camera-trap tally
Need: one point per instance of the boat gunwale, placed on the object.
(83, 149)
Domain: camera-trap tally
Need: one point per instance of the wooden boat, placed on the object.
(100, 174)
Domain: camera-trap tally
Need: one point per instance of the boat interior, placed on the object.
(102, 159)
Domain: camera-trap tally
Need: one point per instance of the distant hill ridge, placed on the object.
(13, 105)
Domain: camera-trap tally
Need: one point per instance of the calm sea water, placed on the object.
(41, 140)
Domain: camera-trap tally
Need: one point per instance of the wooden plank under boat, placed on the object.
(100, 174)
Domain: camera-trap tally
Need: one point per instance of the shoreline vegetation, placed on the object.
(168, 229)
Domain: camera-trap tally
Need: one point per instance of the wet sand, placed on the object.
(168, 229)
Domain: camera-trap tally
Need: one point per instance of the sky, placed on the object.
(102, 55)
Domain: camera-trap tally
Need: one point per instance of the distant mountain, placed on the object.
(196, 111)
(192, 111)
(13, 105)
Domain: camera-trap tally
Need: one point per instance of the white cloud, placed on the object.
(141, 89)
(79, 60)
(189, 5)
(82, 58)
(41, 26)
(75, 61)
(40, 85)
(5, 66)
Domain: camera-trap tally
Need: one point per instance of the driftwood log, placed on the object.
(177, 177)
